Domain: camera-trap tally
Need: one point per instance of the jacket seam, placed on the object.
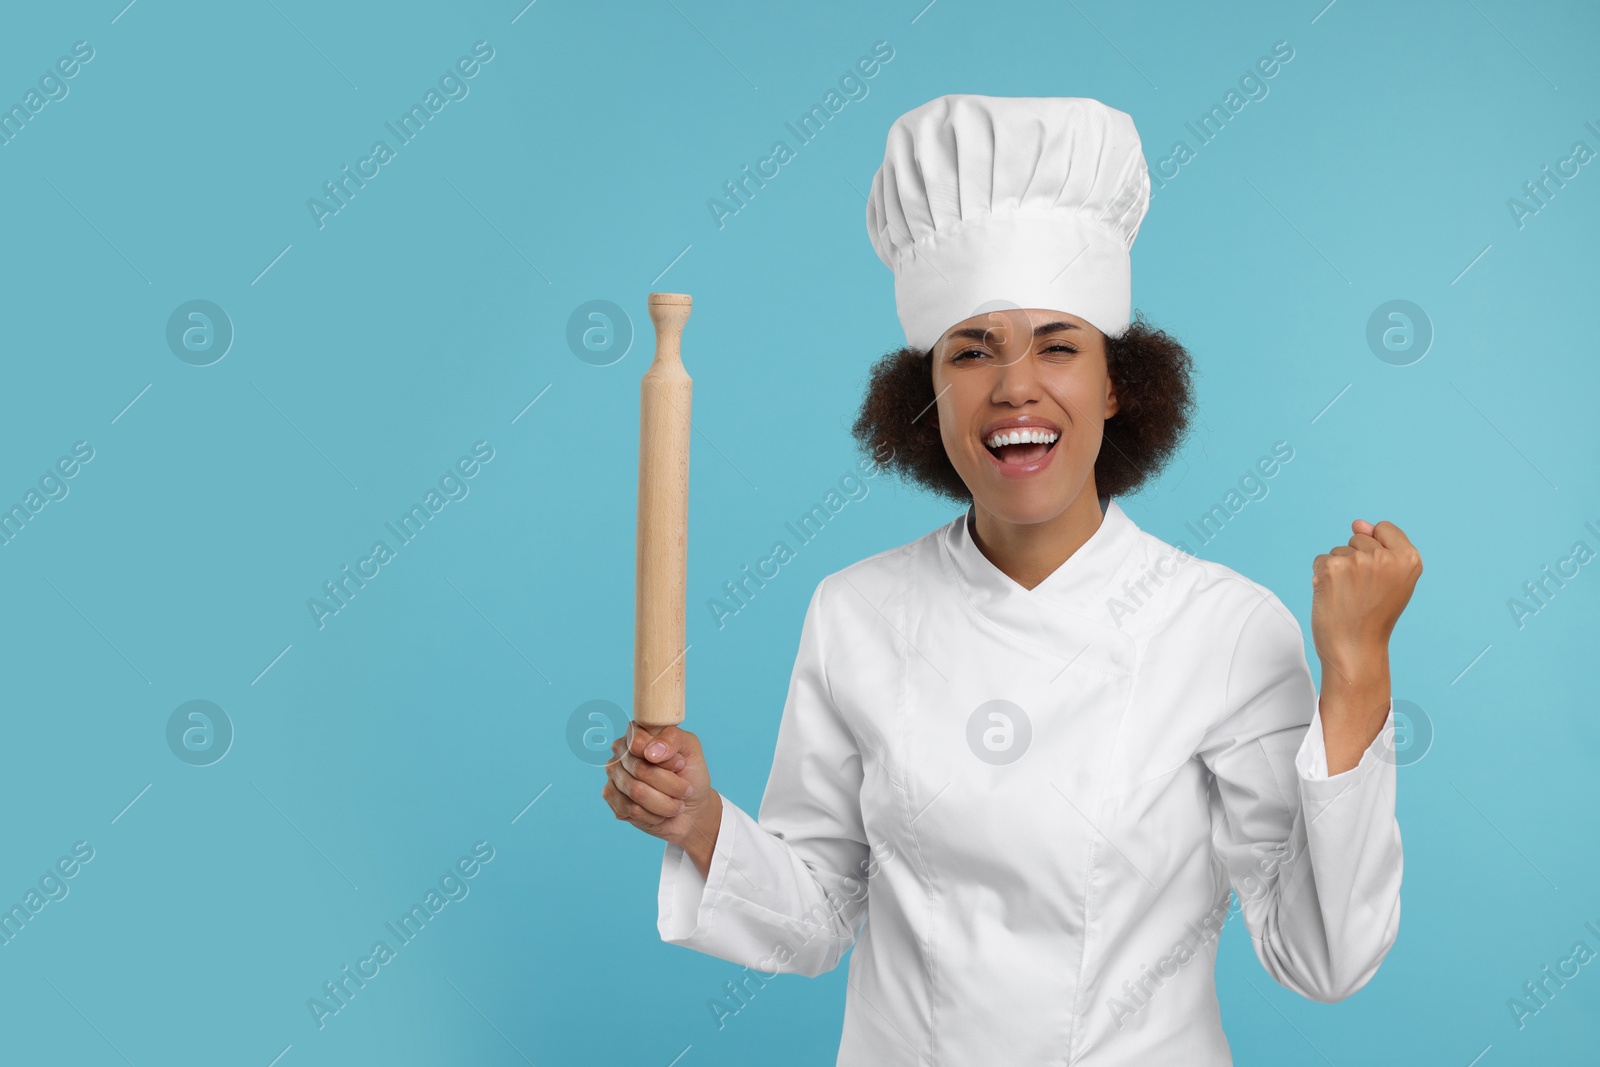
(930, 954)
(901, 733)
(1089, 872)
(1233, 658)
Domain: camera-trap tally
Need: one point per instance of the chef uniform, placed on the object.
(1026, 808)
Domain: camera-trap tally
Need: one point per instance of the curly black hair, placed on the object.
(1149, 369)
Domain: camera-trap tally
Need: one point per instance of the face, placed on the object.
(1038, 373)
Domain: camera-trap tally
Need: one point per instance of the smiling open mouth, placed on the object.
(1021, 447)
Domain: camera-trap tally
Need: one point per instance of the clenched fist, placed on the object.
(660, 784)
(1358, 591)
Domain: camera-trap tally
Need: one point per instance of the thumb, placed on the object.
(660, 747)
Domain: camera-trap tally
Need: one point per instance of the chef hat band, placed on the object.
(985, 203)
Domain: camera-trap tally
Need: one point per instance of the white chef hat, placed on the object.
(991, 202)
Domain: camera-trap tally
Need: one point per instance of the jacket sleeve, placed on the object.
(1315, 859)
(785, 893)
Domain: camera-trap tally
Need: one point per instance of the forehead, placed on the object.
(1013, 322)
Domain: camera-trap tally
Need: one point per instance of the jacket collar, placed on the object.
(1073, 594)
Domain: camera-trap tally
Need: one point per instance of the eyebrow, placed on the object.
(976, 333)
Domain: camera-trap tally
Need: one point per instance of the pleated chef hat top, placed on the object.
(991, 202)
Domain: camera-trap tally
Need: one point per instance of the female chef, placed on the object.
(1025, 758)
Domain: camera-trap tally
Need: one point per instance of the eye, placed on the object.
(975, 352)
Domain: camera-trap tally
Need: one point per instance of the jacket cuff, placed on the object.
(1311, 761)
(685, 902)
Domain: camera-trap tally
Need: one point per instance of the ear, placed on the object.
(1113, 402)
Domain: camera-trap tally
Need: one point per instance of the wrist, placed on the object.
(1354, 703)
(1357, 663)
(701, 840)
(1362, 695)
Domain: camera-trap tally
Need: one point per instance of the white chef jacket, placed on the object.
(1164, 743)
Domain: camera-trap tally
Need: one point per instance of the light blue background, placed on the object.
(373, 352)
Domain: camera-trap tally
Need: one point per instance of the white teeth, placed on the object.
(1018, 437)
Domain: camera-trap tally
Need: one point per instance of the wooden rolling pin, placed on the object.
(662, 546)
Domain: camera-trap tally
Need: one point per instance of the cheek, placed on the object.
(951, 438)
(949, 405)
(1082, 396)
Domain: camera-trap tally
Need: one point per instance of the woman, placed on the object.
(1024, 758)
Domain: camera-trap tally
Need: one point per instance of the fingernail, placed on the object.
(688, 791)
(681, 807)
(656, 751)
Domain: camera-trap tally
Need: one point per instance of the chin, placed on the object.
(1026, 504)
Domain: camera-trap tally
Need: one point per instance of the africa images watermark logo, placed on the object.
(453, 887)
(453, 87)
(1537, 193)
(53, 88)
(1252, 86)
(806, 528)
(1539, 992)
(52, 487)
(852, 87)
(824, 919)
(1199, 940)
(1537, 593)
(453, 486)
(52, 887)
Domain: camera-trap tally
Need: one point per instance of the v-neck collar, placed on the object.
(1074, 587)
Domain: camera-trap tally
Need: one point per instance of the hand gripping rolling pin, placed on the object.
(662, 547)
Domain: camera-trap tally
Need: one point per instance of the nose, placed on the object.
(1010, 332)
(1016, 379)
